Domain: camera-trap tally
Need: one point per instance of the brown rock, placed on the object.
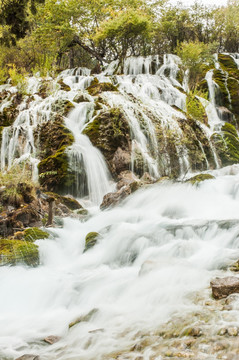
(52, 339)
(222, 287)
(126, 178)
(113, 199)
(121, 160)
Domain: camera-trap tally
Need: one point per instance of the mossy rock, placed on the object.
(222, 96)
(68, 201)
(63, 86)
(227, 144)
(13, 252)
(91, 239)
(80, 98)
(97, 88)
(233, 87)
(34, 233)
(44, 89)
(52, 136)
(54, 173)
(180, 76)
(83, 318)
(199, 178)
(229, 128)
(62, 107)
(226, 62)
(8, 115)
(195, 109)
(109, 131)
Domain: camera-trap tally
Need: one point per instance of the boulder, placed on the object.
(222, 287)
(126, 178)
(13, 252)
(52, 339)
(91, 239)
(121, 160)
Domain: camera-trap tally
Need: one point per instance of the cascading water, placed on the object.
(86, 160)
(157, 254)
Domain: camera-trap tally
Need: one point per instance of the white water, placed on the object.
(84, 156)
(157, 250)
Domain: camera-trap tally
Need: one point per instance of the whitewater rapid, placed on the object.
(157, 250)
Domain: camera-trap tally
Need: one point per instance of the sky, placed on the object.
(205, 2)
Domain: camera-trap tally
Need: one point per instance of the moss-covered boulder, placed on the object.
(63, 86)
(44, 88)
(227, 144)
(195, 180)
(62, 107)
(52, 136)
(97, 88)
(8, 115)
(68, 201)
(80, 97)
(91, 239)
(222, 94)
(13, 252)
(227, 62)
(34, 233)
(110, 131)
(233, 87)
(54, 173)
(195, 109)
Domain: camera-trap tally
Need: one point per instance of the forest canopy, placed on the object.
(50, 35)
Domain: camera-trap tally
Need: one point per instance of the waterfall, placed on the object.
(85, 159)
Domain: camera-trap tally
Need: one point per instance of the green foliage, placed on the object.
(18, 79)
(196, 57)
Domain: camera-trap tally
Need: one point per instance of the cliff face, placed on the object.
(143, 120)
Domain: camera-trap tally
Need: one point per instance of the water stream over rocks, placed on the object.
(154, 261)
(142, 292)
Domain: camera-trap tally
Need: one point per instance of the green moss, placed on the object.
(233, 87)
(202, 88)
(180, 76)
(226, 62)
(63, 86)
(199, 178)
(91, 240)
(52, 136)
(13, 252)
(97, 88)
(80, 98)
(222, 95)
(8, 115)
(62, 107)
(227, 145)
(108, 131)
(229, 128)
(34, 233)
(195, 109)
(54, 173)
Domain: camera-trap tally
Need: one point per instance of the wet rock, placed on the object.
(91, 240)
(225, 114)
(222, 287)
(97, 88)
(63, 86)
(83, 318)
(110, 131)
(81, 97)
(232, 331)
(193, 331)
(126, 178)
(29, 357)
(13, 252)
(112, 199)
(121, 160)
(52, 339)
(199, 178)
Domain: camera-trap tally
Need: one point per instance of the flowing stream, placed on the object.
(157, 250)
